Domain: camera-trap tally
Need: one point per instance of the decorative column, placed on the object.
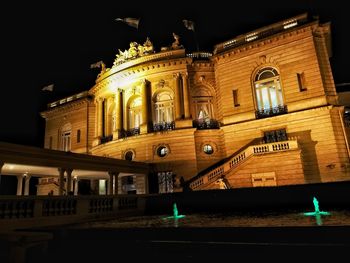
(96, 117)
(116, 183)
(69, 181)
(76, 185)
(124, 111)
(61, 180)
(178, 95)
(1, 165)
(94, 186)
(110, 183)
(118, 114)
(19, 184)
(145, 107)
(26, 184)
(186, 95)
(100, 118)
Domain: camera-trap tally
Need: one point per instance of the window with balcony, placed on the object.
(164, 112)
(203, 106)
(135, 115)
(268, 93)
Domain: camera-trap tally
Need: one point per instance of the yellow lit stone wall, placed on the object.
(313, 117)
(77, 115)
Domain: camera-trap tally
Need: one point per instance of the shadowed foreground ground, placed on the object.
(196, 244)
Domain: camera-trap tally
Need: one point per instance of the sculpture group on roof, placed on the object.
(175, 45)
(135, 50)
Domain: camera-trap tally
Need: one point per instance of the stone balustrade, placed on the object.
(236, 160)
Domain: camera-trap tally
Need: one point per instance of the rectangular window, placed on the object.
(301, 81)
(275, 136)
(78, 135)
(50, 143)
(235, 97)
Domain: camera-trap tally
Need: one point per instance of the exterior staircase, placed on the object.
(236, 160)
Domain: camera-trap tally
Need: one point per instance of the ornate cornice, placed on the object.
(64, 107)
(140, 72)
(265, 41)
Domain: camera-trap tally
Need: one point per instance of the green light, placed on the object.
(175, 214)
(317, 213)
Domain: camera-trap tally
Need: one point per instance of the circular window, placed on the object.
(162, 151)
(129, 155)
(208, 149)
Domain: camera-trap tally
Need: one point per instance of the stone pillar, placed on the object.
(186, 95)
(69, 181)
(100, 118)
(19, 184)
(26, 184)
(116, 183)
(94, 186)
(1, 165)
(119, 114)
(96, 117)
(125, 112)
(61, 180)
(76, 185)
(178, 95)
(145, 107)
(110, 183)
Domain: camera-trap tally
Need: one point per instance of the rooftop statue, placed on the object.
(175, 45)
(135, 50)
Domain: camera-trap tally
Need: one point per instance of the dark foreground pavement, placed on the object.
(268, 244)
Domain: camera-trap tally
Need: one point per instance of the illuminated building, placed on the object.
(261, 110)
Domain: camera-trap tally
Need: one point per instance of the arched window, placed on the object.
(203, 105)
(164, 108)
(135, 113)
(268, 93)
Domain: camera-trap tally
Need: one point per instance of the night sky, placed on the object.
(56, 43)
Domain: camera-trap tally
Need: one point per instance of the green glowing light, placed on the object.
(175, 213)
(317, 213)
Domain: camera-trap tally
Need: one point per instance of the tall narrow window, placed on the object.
(235, 97)
(301, 81)
(164, 108)
(78, 136)
(66, 137)
(268, 92)
(66, 141)
(135, 114)
(50, 143)
(165, 182)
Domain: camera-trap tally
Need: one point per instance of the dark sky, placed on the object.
(56, 43)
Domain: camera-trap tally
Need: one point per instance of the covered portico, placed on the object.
(66, 168)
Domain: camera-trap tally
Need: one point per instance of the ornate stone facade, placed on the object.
(262, 110)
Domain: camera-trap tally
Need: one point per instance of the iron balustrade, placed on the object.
(106, 139)
(206, 124)
(164, 126)
(265, 113)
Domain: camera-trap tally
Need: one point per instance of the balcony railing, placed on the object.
(128, 133)
(265, 113)
(106, 139)
(164, 126)
(206, 124)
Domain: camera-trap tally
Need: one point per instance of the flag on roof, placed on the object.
(48, 88)
(134, 22)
